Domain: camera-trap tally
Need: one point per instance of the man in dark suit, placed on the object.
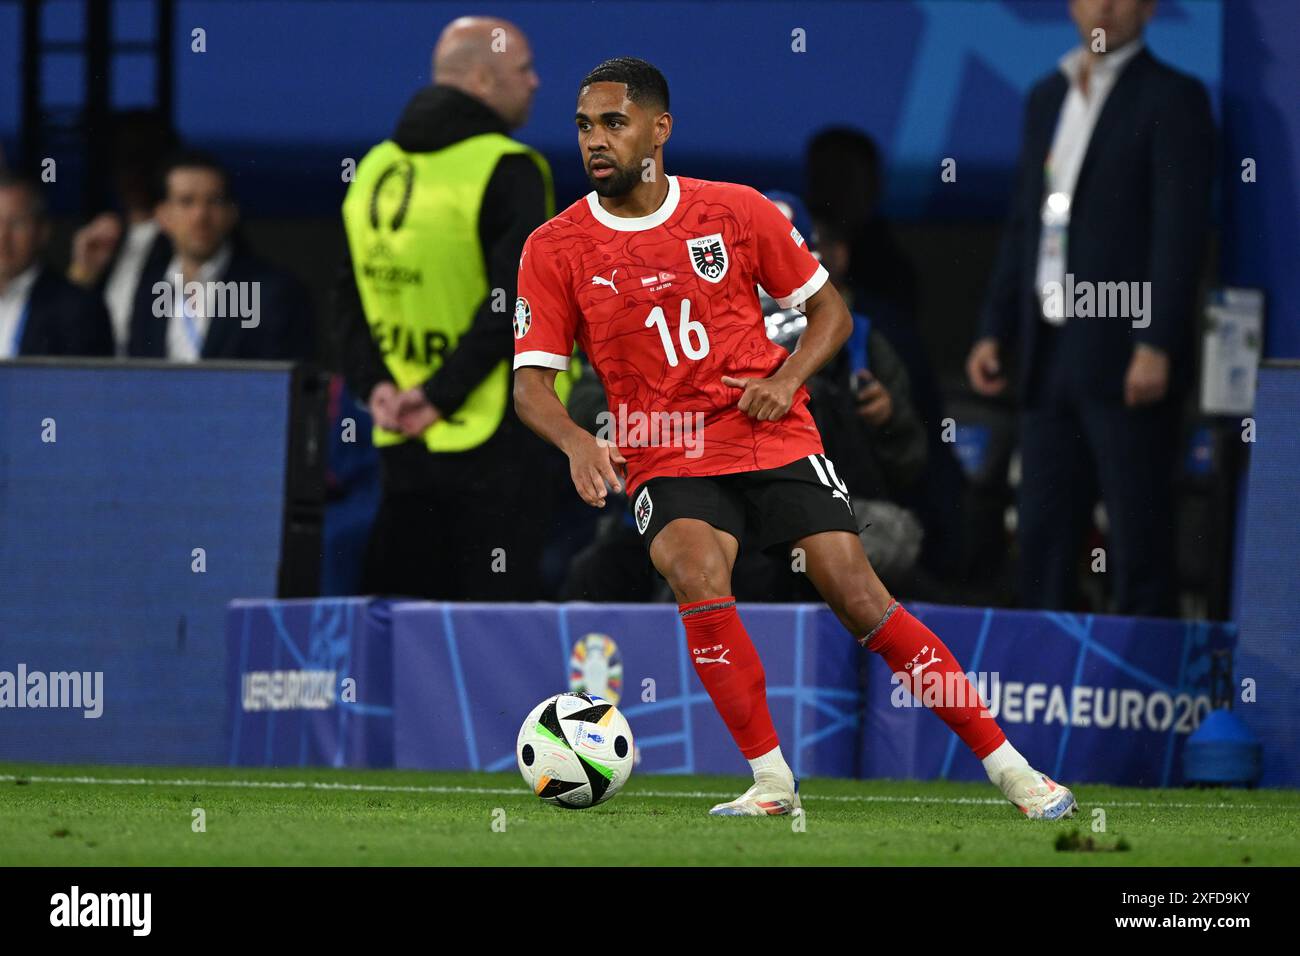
(1095, 288)
(215, 299)
(41, 313)
(114, 252)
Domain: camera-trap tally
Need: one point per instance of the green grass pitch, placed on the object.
(110, 816)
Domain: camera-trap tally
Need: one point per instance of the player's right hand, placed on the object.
(983, 368)
(592, 467)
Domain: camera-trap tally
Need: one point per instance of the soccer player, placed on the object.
(654, 276)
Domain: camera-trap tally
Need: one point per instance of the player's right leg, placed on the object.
(842, 574)
(693, 526)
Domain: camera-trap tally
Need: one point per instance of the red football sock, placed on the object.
(912, 649)
(731, 672)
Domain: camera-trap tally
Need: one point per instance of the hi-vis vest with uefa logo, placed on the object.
(412, 226)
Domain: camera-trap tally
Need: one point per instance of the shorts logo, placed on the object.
(708, 257)
(523, 317)
(644, 508)
(826, 474)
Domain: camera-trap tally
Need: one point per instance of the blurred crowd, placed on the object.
(1099, 405)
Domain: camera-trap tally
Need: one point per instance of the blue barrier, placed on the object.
(336, 640)
(1086, 698)
(113, 476)
(1269, 600)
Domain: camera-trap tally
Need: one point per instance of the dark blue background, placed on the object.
(286, 90)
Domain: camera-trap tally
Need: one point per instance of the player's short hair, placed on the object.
(646, 86)
(193, 159)
(12, 179)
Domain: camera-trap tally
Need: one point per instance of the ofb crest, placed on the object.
(708, 257)
(643, 508)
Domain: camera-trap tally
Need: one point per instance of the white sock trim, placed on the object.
(1005, 757)
(770, 762)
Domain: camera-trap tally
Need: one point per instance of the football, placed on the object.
(575, 750)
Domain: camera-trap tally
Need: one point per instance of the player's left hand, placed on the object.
(414, 412)
(765, 399)
(1147, 379)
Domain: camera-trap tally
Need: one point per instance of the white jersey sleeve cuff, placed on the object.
(805, 292)
(545, 359)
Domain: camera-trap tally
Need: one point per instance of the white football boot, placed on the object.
(1036, 795)
(770, 796)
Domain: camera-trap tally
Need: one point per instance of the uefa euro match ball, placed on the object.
(575, 750)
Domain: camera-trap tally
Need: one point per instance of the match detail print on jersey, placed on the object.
(664, 306)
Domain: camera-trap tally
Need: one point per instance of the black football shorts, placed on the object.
(767, 508)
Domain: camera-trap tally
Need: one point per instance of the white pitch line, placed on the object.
(523, 792)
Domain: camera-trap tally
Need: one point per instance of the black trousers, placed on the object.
(1076, 447)
(466, 526)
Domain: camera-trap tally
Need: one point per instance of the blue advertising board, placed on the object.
(1085, 698)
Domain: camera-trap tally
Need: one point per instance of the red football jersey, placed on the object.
(664, 306)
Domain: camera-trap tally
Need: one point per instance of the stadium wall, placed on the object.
(135, 503)
(445, 686)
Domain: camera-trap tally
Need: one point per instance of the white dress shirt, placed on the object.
(119, 291)
(187, 330)
(13, 304)
(1074, 129)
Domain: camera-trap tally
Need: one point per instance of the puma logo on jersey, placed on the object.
(600, 280)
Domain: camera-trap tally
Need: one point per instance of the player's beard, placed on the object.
(622, 182)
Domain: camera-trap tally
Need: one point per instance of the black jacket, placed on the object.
(155, 263)
(283, 331)
(514, 204)
(1140, 212)
(63, 319)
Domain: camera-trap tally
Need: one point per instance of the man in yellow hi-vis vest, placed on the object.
(436, 217)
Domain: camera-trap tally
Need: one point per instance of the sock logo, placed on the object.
(916, 668)
(720, 659)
